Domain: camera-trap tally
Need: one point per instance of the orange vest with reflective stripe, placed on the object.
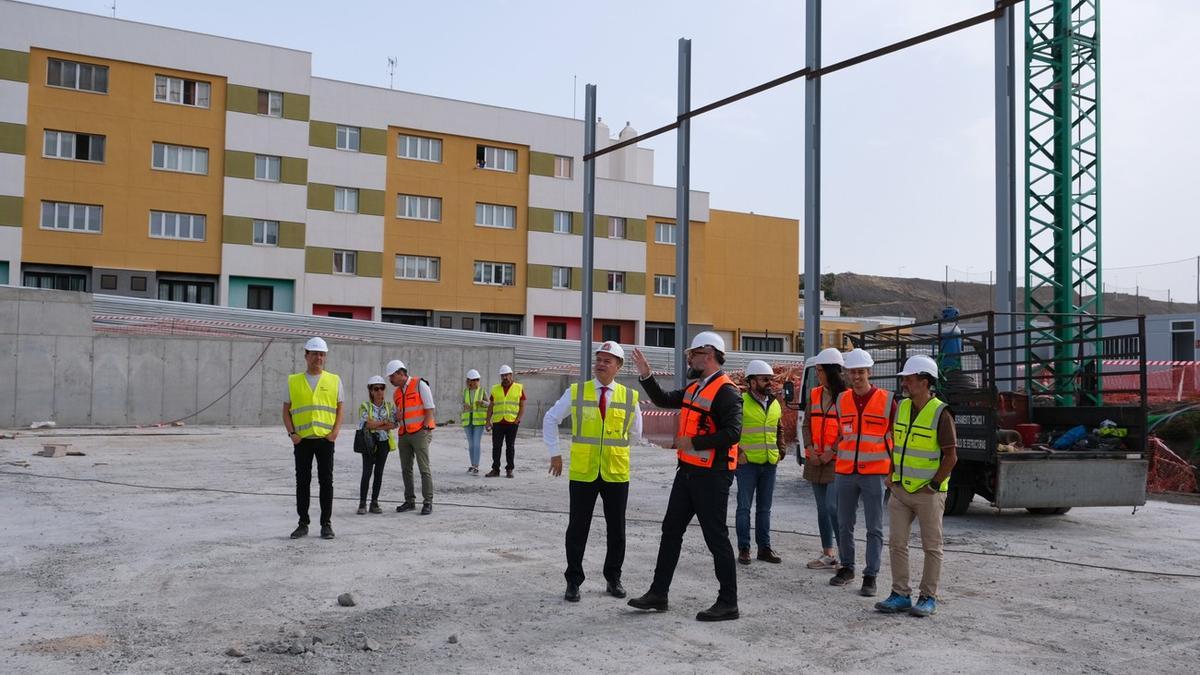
(695, 420)
(822, 423)
(866, 443)
(408, 400)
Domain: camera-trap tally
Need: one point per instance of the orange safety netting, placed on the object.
(1168, 471)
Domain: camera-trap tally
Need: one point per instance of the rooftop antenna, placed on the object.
(391, 72)
(114, 8)
(575, 102)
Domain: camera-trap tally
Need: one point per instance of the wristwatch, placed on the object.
(291, 433)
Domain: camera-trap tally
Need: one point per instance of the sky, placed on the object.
(907, 173)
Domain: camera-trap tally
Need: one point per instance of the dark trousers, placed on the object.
(504, 433)
(703, 493)
(304, 452)
(583, 503)
(372, 463)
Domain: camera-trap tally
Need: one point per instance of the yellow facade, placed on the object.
(124, 184)
(456, 240)
(660, 259)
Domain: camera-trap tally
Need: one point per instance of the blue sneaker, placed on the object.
(895, 603)
(924, 607)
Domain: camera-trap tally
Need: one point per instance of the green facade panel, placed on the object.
(635, 283)
(14, 65)
(291, 235)
(295, 107)
(322, 134)
(293, 170)
(237, 230)
(4, 272)
(320, 197)
(283, 291)
(10, 210)
(538, 276)
(372, 141)
(239, 164)
(601, 231)
(240, 98)
(541, 220)
(12, 138)
(371, 202)
(541, 164)
(635, 229)
(318, 260)
(369, 264)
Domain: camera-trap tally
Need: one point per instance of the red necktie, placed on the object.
(603, 407)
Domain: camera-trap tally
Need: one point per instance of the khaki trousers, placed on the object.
(926, 508)
(415, 446)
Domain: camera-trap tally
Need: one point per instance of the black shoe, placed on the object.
(650, 600)
(615, 589)
(426, 509)
(842, 577)
(720, 611)
(362, 509)
(868, 587)
(327, 531)
(508, 473)
(769, 555)
(406, 506)
(572, 594)
(744, 556)
(300, 531)
(375, 508)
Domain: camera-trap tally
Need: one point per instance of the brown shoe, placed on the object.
(508, 474)
(769, 555)
(744, 556)
(492, 474)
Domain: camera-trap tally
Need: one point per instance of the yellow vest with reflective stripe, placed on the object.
(917, 454)
(600, 447)
(475, 415)
(760, 430)
(505, 407)
(313, 411)
(390, 408)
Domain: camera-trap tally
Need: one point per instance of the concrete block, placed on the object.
(8, 380)
(146, 385)
(110, 380)
(73, 381)
(8, 316)
(213, 358)
(179, 378)
(451, 380)
(282, 359)
(54, 318)
(367, 361)
(35, 373)
(54, 450)
(247, 399)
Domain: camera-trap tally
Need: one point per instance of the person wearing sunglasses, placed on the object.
(378, 416)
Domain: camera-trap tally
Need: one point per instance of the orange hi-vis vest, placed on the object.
(866, 443)
(408, 400)
(695, 419)
(822, 423)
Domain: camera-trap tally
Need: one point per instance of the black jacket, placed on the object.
(726, 415)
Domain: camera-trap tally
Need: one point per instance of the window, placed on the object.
(73, 217)
(260, 297)
(664, 285)
(181, 92)
(497, 159)
(664, 233)
(494, 215)
(345, 262)
(137, 283)
(167, 225)
(419, 208)
(446, 322)
(610, 332)
(418, 267)
(345, 200)
(270, 103)
(419, 147)
(495, 274)
(405, 317)
(616, 228)
(75, 75)
(556, 330)
(198, 292)
(506, 325)
(762, 344)
(59, 281)
(562, 222)
(179, 158)
(660, 335)
(468, 323)
(266, 167)
(563, 166)
(347, 138)
(69, 145)
(266, 232)
(108, 282)
(616, 282)
(560, 277)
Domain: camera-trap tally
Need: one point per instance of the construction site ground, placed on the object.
(163, 550)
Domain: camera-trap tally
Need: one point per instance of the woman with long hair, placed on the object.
(820, 432)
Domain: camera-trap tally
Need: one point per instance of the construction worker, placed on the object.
(376, 415)
(505, 410)
(922, 459)
(605, 417)
(414, 428)
(710, 424)
(759, 451)
(865, 415)
(312, 415)
(474, 417)
(820, 433)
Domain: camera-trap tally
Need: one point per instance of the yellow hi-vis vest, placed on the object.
(390, 411)
(600, 447)
(505, 407)
(313, 410)
(476, 414)
(917, 454)
(759, 430)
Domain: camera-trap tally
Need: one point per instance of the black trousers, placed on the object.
(372, 463)
(305, 451)
(583, 504)
(504, 433)
(703, 493)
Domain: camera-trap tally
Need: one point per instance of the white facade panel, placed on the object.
(266, 200)
(266, 135)
(14, 101)
(620, 254)
(262, 261)
(348, 169)
(336, 289)
(635, 200)
(566, 250)
(10, 250)
(348, 231)
(12, 175)
(547, 302)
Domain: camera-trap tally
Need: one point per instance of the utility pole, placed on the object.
(812, 179)
(683, 146)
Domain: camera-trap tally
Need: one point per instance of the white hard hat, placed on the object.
(757, 367)
(376, 379)
(916, 365)
(612, 348)
(316, 344)
(857, 358)
(472, 374)
(827, 356)
(506, 370)
(708, 339)
(393, 366)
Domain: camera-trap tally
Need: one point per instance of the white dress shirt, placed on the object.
(562, 408)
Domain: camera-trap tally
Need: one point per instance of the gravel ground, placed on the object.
(167, 551)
